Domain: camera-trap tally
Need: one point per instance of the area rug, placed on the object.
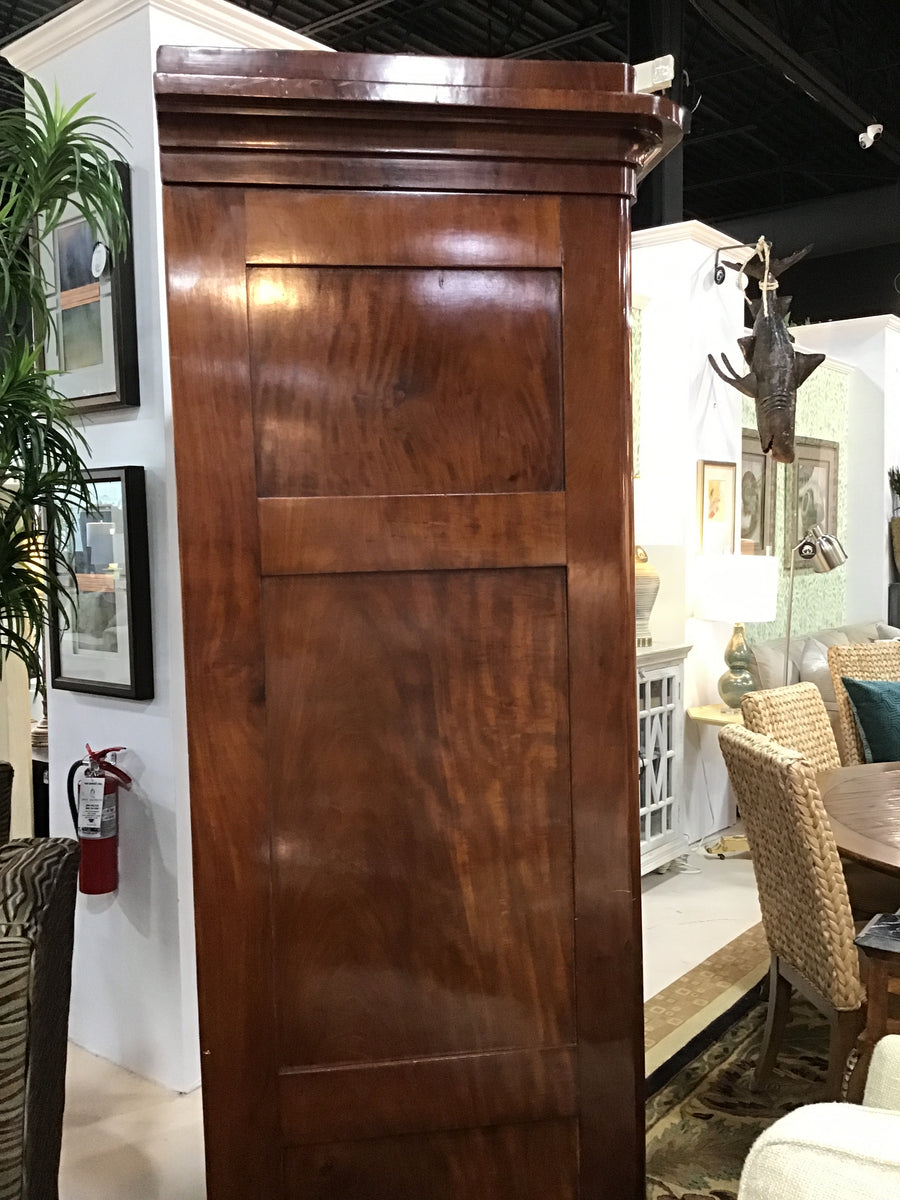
(683, 1010)
(701, 1124)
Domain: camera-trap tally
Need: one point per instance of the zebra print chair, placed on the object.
(37, 908)
(6, 782)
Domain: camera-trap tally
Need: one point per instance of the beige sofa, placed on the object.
(809, 659)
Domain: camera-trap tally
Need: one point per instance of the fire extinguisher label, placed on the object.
(96, 810)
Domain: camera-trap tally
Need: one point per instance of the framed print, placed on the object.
(94, 339)
(810, 495)
(716, 505)
(757, 496)
(102, 643)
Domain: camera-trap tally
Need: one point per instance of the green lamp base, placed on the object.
(737, 680)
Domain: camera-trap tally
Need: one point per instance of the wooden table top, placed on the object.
(863, 805)
(715, 714)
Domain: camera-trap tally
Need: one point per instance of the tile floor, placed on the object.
(691, 911)
(125, 1138)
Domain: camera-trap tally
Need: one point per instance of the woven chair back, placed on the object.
(802, 893)
(869, 660)
(794, 717)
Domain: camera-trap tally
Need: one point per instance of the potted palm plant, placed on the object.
(51, 158)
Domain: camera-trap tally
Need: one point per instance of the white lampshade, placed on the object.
(736, 587)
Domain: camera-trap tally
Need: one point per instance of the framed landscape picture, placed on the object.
(101, 641)
(94, 340)
(757, 496)
(716, 506)
(811, 494)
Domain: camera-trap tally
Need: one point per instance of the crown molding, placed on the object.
(75, 25)
(682, 231)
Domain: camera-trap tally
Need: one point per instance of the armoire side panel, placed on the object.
(519, 1162)
(418, 748)
(371, 381)
(402, 425)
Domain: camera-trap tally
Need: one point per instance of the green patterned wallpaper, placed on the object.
(818, 599)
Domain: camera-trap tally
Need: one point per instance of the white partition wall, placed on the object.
(134, 985)
(687, 415)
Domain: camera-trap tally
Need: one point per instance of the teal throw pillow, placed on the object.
(876, 707)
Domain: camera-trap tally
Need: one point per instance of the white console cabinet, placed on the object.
(660, 696)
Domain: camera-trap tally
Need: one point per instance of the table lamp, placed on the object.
(730, 585)
(825, 552)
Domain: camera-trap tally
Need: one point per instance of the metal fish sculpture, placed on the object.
(776, 368)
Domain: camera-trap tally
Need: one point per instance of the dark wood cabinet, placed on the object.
(399, 342)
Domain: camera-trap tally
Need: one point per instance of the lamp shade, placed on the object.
(827, 551)
(736, 587)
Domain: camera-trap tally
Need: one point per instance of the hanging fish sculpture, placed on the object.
(776, 368)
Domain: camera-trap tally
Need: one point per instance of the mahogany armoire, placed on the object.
(398, 313)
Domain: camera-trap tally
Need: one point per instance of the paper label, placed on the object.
(96, 810)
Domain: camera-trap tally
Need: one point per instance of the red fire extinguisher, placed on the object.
(96, 817)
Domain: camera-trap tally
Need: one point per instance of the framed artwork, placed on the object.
(716, 490)
(757, 496)
(811, 494)
(94, 338)
(102, 642)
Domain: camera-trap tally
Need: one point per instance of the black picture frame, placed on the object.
(112, 381)
(105, 647)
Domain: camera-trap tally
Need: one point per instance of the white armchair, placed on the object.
(834, 1151)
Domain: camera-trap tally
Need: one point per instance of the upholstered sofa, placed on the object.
(809, 660)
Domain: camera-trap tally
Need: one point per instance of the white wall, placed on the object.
(687, 414)
(134, 981)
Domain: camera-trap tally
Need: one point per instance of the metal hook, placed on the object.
(719, 270)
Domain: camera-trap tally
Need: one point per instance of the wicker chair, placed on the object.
(869, 660)
(796, 717)
(37, 909)
(802, 894)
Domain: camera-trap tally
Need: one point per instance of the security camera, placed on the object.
(870, 136)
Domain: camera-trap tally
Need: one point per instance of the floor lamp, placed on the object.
(825, 552)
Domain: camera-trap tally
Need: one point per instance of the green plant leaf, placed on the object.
(53, 158)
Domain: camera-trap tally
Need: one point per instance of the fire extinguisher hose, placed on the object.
(70, 792)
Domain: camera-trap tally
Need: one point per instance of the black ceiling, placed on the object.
(779, 89)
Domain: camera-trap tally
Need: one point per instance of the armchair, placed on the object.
(834, 1151)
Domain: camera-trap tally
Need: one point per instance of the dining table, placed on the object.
(863, 806)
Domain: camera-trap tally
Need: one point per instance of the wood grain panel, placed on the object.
(519, 1162)
(536, 172)
(423, 892)
(401, 230)
(311, 535)
(602, 710)
(223, 653)
(251, 69)
(426, 1095)
(391, 381)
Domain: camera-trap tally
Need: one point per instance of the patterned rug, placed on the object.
(701, 1124)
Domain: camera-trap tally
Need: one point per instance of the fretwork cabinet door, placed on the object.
(402, 420)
